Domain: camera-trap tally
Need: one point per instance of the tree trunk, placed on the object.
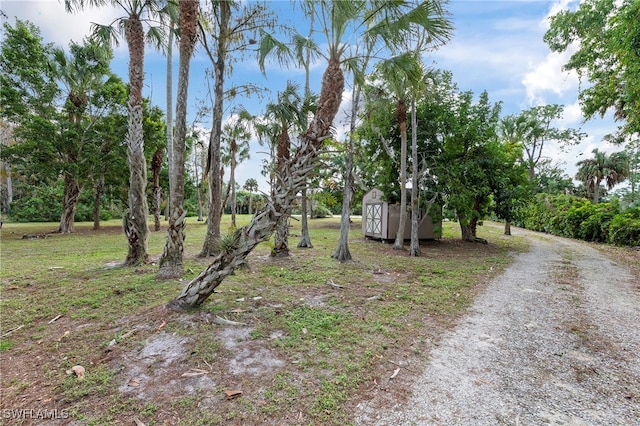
(281, 238)
(402, 121)
(156, 167)
(212, 237)
(263, 223)
(136, 215)
(171, 265)
(596, 192)
(466, 231)
(69, 204)
(507, 227)
(342, 253)
(97, 201)
(305, 239)
(169, 109)
(414, 248)
(232, 186)
(250, 203)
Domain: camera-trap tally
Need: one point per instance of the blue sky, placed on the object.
(497, 46)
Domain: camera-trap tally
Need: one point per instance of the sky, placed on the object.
(497, 46)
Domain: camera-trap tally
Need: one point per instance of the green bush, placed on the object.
(595, 227)
(570, 212)
(624, 229)
(43, 204)
(320, 211)
(576, 217)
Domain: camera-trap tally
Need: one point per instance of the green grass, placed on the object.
(332, 340)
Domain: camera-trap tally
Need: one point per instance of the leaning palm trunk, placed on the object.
(171, 261)
(69, 205)
(135, 219)
(288, 185)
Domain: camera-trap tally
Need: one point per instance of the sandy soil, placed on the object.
(555, 340)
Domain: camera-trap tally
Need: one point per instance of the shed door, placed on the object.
(374, 219)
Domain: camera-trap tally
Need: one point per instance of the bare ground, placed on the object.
(555, 340)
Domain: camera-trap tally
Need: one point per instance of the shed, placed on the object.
(381, 219)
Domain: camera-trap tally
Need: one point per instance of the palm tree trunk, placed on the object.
(281, 238)
(135, 218)
(156, 167)
(263, 223)
(169, 96)
(171, 261)
(232, 185)
(402, 120)
(69, 204)
(414, 249)
(305, 239)
(342, 253)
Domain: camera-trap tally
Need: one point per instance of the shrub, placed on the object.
(624, 229)
(596, 226)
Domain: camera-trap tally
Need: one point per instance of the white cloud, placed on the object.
(547, 76)
(57, 26)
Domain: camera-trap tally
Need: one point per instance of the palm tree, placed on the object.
(251, 185)
(399, 76)
(612, 169)
(83, 71)
(288, 114)
(235, 151)
(171, 260)
(131, 26)
(337, 20)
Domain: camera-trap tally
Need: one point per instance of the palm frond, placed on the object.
(270, 46)
(106, 35)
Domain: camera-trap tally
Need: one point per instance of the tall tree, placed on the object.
(58, 118)
(229, 28)
(236, 136)
(607, 36)
(337, 20)
(535, 127)
(171, 261)
(81, 73)
(251, 185)
(399, 75)
(289, 113)
(131, 25)
(611, 169)
(169, 109)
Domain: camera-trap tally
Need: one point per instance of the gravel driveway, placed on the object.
(555, 340)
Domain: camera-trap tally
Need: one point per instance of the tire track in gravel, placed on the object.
(555, 340)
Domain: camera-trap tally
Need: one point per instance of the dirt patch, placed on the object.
(157, 370)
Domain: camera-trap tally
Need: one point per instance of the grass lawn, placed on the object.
(305, 352)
